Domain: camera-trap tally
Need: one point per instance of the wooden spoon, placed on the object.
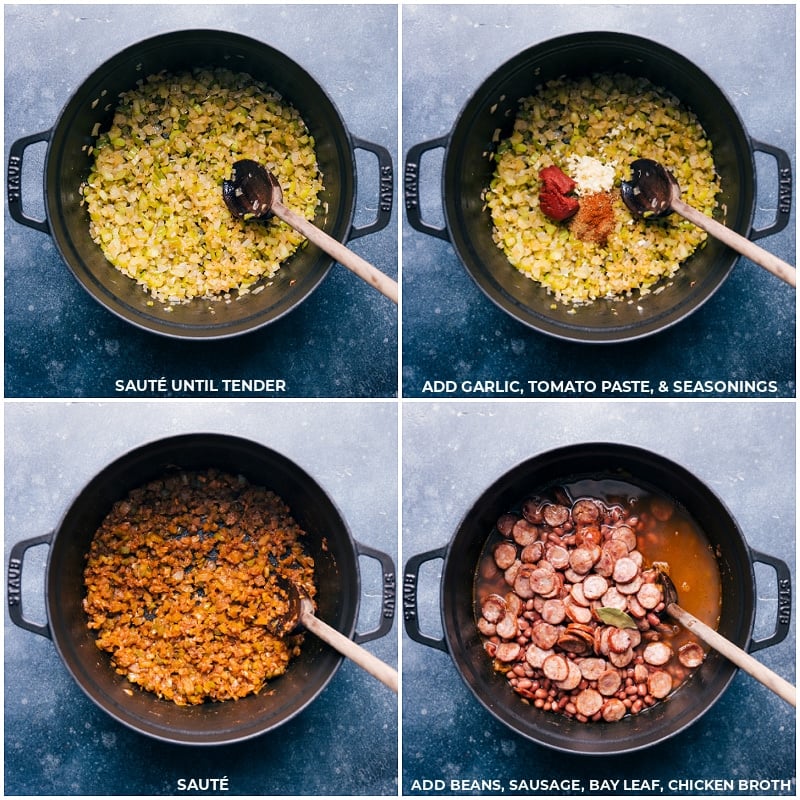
(653, 191)
(254, 193)
(742, 659)
(301, 613)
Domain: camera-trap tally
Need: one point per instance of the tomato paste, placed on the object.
(554, 199)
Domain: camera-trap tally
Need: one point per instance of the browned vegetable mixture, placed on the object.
(179, 586)
(571, 610)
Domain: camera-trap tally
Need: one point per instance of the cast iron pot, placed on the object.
(67, 165)
(640, 467)
(329, 541)
(467, 172)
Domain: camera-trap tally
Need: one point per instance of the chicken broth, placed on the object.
(569, 602)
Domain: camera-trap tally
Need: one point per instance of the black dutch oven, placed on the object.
(329, 542)
(467, 172)
(67, 165)
(641, 468)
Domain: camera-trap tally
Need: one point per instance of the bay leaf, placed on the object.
(615, 617)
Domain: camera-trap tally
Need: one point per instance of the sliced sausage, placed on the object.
(614, 710)
(592, 668)
(605, 564)
(635, 608)
(589, 535)
(588, 702)
(535, 655)
(505, 524)
(555, 515)
(577, 594)
(507, 651)
(631, 587)
(493, 608)
(626, 535)
(577, 613)
(580, 559)
(524, 533)
(657, 653)
(625, 570)
(532, 510)
(613, 599)
(585, 511)
(505, 554)
(609, 682)
(616, 549)
(510, 574)
(649, 595)
(691, 655)
(555, 667)
(485, 627)
(659, 683)
(542, 581)
(558, 556)
(619, 640)
(522, 584)
(573, 678)
(532, 553)
(594, 587)
(514, 605)
(507, 627)
(554, 611)
(621, 659)
(544, 635)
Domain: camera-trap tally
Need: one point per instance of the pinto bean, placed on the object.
(555, 667)
(609, 682)
(691, 655)
(659, 683)
(505, 554)
(614, 710)
(657, 653)
(625, 570)
(589, 702)
(661, 508)
(555, 514)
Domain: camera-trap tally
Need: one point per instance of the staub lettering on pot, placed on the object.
(389, 594)
(785, 190)
(784, 601)
(411, 183)
(14, 582)
(14, 179)
(386, 184)
(409, 596)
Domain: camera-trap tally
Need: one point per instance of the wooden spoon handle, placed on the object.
(735, 654)
(347, 647)
(347, 258)
(777, 266)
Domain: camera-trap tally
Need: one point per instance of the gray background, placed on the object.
(58, 742)
(453, 331)
(341, 342)
(745, 452)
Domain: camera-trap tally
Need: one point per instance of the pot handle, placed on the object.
(784, 190)
(385, 188)
(15, 181)
(14, 584)
(410, 583)
(411, 188)
(388, 594)
(784, 613)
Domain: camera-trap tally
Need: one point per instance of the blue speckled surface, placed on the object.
(342, 342)
(453, 332)
(58, 742)
(745, 452)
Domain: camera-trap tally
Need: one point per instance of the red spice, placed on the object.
(553, 194)
(595, 220)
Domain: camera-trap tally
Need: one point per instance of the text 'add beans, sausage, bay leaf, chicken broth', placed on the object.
(568, 600)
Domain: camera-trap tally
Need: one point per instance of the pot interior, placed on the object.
(596, 461)
(68, 164)
(328, 541)
(468, 171)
